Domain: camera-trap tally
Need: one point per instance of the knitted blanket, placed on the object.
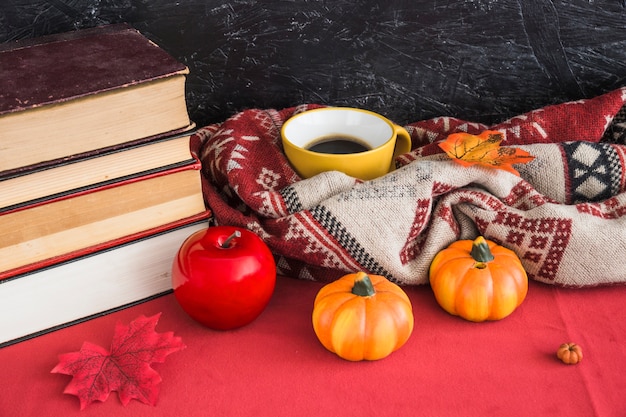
(565, 216)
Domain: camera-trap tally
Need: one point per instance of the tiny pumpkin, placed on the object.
(570, 353)
(362, 317)
(478, 280)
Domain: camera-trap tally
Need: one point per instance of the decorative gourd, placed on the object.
(478, 280)
(362, 316)
(570, 353)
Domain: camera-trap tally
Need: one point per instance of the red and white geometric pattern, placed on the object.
(541, 242)
(565, 216)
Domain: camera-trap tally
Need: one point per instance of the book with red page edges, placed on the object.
(81, 91)
(78, 223)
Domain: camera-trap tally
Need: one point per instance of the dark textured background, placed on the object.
(481, 60)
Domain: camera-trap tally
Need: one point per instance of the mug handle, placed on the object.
(403, 144)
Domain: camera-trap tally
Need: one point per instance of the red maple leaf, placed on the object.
(125, 368)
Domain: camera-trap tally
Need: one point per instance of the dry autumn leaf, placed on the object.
(484, 150)
(125, 368)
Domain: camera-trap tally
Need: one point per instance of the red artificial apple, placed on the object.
(223, 276)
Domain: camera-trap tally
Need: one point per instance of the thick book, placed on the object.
(89, 89)
(90, 286)
(94, 169)
(77, 223)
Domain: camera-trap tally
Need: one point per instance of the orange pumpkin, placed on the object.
(362, 316)
(570, 353)
(478, 280)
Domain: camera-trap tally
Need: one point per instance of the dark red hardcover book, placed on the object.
(76, 92)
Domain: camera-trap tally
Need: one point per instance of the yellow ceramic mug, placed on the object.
(360, 143)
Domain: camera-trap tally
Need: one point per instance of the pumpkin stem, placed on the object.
(363, 285)
(480, 250)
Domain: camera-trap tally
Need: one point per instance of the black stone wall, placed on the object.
(481, 60)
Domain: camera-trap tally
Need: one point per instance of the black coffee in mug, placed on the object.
(337, 144)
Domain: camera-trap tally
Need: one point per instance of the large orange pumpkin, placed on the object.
(478, 280)
(362, 317)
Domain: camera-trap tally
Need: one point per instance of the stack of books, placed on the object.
(98, 183)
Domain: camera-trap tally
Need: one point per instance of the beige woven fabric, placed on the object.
(565, 216)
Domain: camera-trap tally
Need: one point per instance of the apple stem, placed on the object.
(230, 238)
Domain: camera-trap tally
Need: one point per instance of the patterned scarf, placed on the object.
(565, 216)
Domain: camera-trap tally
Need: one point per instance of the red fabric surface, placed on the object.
(275, 366)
